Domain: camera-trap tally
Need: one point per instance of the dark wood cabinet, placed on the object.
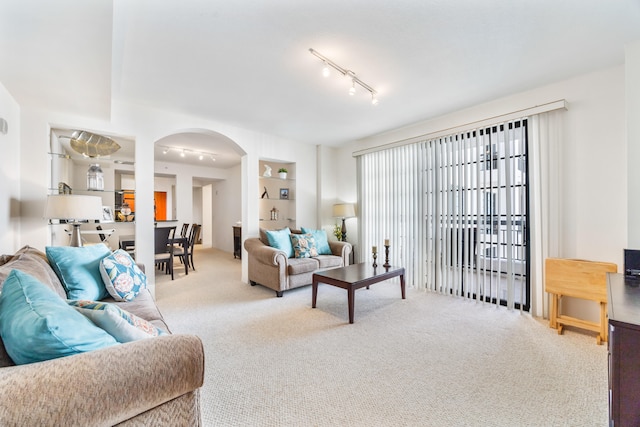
(624, 350)
(237, 242)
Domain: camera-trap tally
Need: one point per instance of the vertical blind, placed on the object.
(455, 210)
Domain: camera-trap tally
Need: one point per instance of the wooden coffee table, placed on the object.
(354, 277)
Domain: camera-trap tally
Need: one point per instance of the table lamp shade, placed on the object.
(73, 207)
(344, 210)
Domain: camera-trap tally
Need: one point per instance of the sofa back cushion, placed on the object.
(33, 262)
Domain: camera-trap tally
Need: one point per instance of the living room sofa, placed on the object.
(151, 381)
(275, 269)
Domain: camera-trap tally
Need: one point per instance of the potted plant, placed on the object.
(282, 172)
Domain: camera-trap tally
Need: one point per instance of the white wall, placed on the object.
(632, 92)
(9, 175)
(594, 172)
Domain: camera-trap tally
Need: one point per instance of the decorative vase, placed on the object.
(283, 175)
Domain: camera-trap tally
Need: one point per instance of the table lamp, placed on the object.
(344, 211)
(73, 209)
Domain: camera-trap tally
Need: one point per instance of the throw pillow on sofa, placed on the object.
(121, 276)
(120, 324)
(79, 270)
(37, 325)
(322, 241)
(279, 239)
(304, 245)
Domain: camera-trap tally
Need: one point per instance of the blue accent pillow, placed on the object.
(304, 245)
(36, 324)
(79, 270)
(121, 276)
(279, 239)
(322, 242)
(120, 324)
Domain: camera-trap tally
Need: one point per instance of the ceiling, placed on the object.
(247, 63)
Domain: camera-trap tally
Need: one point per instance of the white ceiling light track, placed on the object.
(186, 151)
(347, 73)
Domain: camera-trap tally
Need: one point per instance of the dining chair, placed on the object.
(164, 249)
(185, 254)
(185, 229)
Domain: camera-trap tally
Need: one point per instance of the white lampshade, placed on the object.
(73, 207)
(344, 210)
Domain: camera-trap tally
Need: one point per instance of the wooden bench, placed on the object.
(579, 279)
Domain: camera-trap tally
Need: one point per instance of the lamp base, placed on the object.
(76, 238)
(344, 231)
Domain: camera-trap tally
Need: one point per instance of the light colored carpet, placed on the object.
(429, 360)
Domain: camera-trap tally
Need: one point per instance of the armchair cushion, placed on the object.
(279, 239)
(79, 269)
(302, 265)
(37, 325)
(120, 324)
(121, 276)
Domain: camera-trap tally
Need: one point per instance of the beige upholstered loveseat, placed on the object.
(153, 381)
(274, 269)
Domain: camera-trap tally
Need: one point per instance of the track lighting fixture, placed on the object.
(345, 72)
(184, 152)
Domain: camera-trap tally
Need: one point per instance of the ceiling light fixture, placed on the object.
(347, 73)
(91, 144)
(326, 72)
(184, 152)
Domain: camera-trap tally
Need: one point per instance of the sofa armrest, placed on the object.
(341, 249)
(263, 253)
(102, 387)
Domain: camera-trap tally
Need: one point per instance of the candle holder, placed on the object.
(386, 257)
(375, 256)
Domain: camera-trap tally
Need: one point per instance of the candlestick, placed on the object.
(386, 254)
(375, 255)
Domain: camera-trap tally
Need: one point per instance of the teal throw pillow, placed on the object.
(121, 276)
(36, 324)
(120, 324)
(322, 242)
(79, 270)
(279, 239)
(304, 245)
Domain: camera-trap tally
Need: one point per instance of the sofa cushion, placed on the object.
(33, 262)
(302, 265)
(121, 276)
(329, 261)
(322, 241)
(36, 324)
(120, 324)
(304, 245)
(79, 270)
(279, 239)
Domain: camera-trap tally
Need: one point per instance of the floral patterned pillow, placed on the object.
(118, 323)
(304, 245)
(121, 276)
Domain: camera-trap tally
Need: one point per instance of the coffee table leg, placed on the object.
(314, 292)
(351, 295)
(402, 285)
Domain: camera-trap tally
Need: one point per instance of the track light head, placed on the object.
(326, 72)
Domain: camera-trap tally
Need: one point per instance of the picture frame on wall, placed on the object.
(107, 214)
(284, 193)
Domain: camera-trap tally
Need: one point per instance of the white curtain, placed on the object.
(545, 137)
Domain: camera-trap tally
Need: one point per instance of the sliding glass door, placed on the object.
(467, 197)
